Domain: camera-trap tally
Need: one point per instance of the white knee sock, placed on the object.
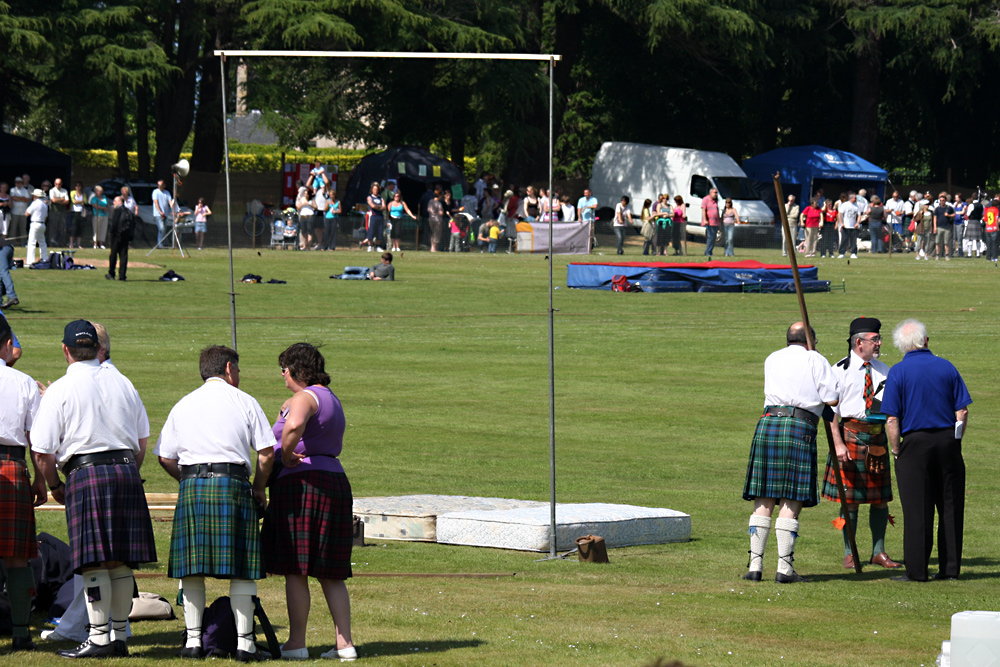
(194, 609)
(241, 592)
(760, 530)
(122, 588)
(786, 530)
(97, 588)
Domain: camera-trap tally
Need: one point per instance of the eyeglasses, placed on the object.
(284, 369)
(874, 339)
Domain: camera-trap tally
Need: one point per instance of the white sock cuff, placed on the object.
(193, 584)
(760, 521)
(791, 525)
(99, 577)
(242, 587)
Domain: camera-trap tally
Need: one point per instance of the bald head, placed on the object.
(797, 334)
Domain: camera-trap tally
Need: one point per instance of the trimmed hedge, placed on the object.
(243, 162)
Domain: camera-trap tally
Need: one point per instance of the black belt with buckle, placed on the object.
(12, 453)
(113, 457)
(788, 411)
(209, 470)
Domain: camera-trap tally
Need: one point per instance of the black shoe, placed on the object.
(120, 648)
(23, 644)
(793, 578)
(109, 276)
(122, 279)
(246, 656)
(752, 576)
(10, 302)
(88, 650)
(941, 576)
(903, 577)
(191, 652)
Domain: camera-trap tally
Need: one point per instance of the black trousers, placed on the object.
(930, 472)
(848, 240)
(119, 251)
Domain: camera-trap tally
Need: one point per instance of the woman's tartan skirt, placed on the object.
(309, 526)
(107, 516)
(782, 461)
(215, 531)
(17, 514)
(860, 486)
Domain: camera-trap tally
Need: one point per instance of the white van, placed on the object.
(643, 171)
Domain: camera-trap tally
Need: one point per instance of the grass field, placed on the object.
(444, 379)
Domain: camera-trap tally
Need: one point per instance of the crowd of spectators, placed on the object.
(945, 226)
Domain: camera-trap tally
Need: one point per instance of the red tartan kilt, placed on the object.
(860, 487)
(309, 528)
(17, 515)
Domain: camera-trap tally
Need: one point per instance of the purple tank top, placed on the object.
(323, 439)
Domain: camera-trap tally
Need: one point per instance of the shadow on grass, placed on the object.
(404, 648)
(165, 644)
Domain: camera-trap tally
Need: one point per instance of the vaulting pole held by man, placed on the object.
(811, 344)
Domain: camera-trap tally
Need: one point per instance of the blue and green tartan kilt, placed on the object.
(215, 532)
(107, 516)
(782, 461)
(17, 514)
(860, 486)
(308, 528)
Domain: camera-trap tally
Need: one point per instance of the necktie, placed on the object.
(869, 390)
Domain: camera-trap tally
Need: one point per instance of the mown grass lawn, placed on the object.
(444, 379)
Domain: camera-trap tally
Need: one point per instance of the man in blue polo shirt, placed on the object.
(927, 403)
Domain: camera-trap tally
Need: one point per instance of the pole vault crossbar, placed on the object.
(551, 59)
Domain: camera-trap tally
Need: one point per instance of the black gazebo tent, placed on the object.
(23, 156)
(413, 168)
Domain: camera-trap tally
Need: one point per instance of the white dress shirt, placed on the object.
(215, 423)
(799, 378)
(850, 373)
(18, 406)
(93, 408)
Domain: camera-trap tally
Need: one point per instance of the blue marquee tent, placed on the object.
(803, 169)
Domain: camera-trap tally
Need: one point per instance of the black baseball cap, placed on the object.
(80, 333)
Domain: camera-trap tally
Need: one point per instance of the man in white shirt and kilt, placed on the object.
(92, 426)
(859, 438)
(206, 445)
(798, 384)
(19, 397)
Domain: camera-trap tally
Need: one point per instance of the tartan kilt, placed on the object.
(17, 513)
(860, 487)
(308, 528)
(215, 532)
(107, 516)
(782, 461)
(974, 231)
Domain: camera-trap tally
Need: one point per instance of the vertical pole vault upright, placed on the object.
(551, 60)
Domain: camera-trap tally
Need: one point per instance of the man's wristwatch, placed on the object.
(61, 483)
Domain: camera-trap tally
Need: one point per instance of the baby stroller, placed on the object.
(464, 221)
(285, 231)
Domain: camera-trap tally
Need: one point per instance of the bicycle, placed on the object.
(259, 218)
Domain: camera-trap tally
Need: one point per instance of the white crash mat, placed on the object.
(414, 518)
(528, 528)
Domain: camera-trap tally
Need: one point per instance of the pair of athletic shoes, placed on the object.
(343, 654)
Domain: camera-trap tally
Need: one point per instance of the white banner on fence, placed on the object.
(569, 238)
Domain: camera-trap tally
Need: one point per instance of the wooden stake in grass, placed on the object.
(811, 344)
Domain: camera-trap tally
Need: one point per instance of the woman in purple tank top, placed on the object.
(308, 528)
